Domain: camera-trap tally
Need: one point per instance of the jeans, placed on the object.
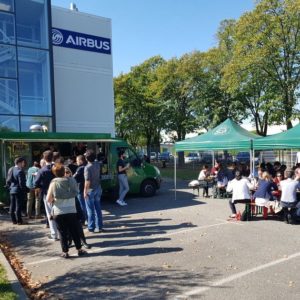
(83, 207)
(123, 186)
(93, 207)
(16, 202)
(34, 194)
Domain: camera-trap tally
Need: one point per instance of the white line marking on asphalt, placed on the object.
(99, 250)
(221, 282)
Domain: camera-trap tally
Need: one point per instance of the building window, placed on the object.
(7, 29)
(7, 5)
(32, 23)
(27, 122)
(8, 64)
(34, 82)
(9, 123)
(9, 97)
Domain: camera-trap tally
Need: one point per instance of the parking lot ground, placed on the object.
(162, 248)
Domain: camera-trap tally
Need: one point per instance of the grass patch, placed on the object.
(6, 292)
(183, 174)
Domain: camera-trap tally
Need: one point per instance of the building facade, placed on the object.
(26, 90)
(55, 69)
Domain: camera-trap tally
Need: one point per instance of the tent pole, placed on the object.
(175, 158)
(251, 159)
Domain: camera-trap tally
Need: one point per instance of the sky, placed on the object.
(169, 28)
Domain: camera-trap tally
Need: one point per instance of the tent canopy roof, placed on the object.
(284, 140)
(228, 135)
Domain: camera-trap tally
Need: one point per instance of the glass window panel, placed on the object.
(7, 28)
(8, 97)
(9, 123)
(27, 122)
(34, 82)
(7, 5)
(32, 23)
(8, 64)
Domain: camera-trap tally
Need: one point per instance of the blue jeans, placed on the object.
(83, 207)
(93, 207)
(123, 186)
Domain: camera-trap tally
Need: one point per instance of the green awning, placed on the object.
(226, 136)
(55, 136)
(284, 140)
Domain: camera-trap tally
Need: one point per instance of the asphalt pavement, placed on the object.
(167, 247)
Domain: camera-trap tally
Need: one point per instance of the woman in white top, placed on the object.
(240, 188)
(61, 194)
(203, 175)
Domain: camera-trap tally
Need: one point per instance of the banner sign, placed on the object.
(80, 41)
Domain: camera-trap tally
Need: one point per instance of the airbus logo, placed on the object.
(80, 41)
(57, 37)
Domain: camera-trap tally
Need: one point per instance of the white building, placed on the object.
(55, 69)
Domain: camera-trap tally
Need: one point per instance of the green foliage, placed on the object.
(253, 73)
(138, 109)
(267, 44)
(6, 291)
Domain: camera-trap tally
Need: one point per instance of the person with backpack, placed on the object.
(16, 182)
(33, 194)
(42, 181)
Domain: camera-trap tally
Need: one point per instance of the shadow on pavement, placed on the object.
(163, 200)
(127, 282)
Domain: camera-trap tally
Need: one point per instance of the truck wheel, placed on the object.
(148, 188)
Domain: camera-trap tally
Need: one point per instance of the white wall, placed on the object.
(83, 80)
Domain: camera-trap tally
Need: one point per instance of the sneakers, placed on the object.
(121, 203)
(54, 239)
(96, 230)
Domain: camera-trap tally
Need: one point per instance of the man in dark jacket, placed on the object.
(17, 190)
(79, 176)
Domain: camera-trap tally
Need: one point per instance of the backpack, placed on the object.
(9, 178)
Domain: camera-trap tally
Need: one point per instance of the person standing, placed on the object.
(42, 181)
(79, 177)
(17, 189)
(61, 195)
(92, 192)
(122, 177)
(34, 193)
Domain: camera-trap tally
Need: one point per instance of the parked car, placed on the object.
(206, 158)
(192, 157)
(153, 156)
(243, 157)
(165, 156)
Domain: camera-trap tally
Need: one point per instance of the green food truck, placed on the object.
(143, 178)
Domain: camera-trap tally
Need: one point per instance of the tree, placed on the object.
(215, 104)
(177, 86)
(138, 110)
(268, 40)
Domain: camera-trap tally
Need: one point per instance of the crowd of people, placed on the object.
(68, 192)
(273, 187)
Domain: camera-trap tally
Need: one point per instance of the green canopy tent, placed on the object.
(284, 140)
(226, 136)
